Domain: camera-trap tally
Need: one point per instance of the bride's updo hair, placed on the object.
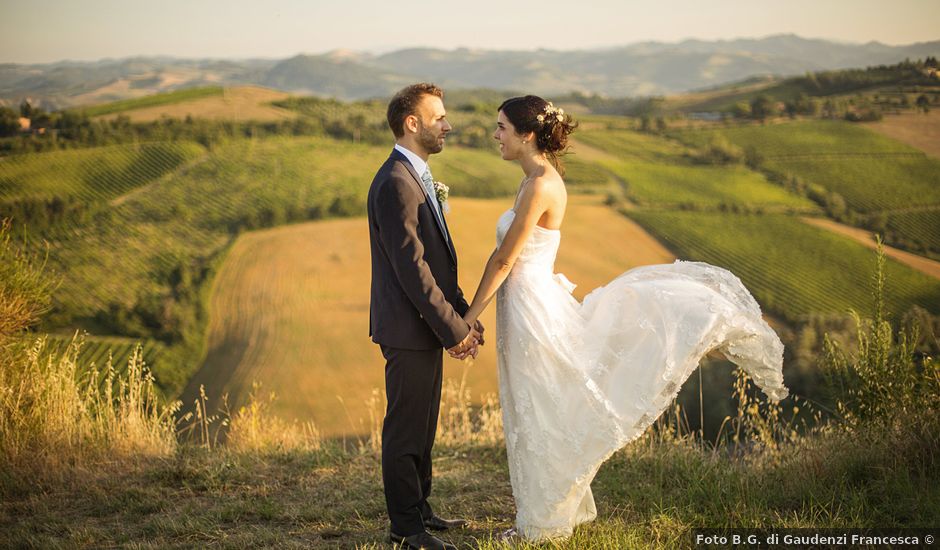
(551, 125)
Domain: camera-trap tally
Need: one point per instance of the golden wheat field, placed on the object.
(290, 307)
(239, 103)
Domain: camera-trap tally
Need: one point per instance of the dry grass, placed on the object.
(52, 418)
(254, 428)
(913, 128)
(290, 307)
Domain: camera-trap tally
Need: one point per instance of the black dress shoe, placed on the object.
(436, 523)
(421, 541)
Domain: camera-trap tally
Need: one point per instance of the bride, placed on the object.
(578, 381)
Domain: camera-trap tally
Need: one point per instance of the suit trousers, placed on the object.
(413, 389)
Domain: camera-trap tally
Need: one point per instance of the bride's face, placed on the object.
(511, 144)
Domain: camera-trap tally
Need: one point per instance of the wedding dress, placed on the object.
(578, 381)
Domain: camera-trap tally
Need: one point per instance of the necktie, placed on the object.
(428, 182)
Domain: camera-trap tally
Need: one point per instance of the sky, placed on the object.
(41, 31)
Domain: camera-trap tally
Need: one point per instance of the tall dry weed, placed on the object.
(255, 428)
(52, 416)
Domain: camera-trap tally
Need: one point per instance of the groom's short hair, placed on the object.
(405, 103)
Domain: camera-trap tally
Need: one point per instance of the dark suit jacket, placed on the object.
(416, 303)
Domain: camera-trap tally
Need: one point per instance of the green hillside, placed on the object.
(660, 173)
(872, 172)
(42, 183)
(889, 84)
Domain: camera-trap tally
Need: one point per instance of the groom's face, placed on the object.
(432, 125)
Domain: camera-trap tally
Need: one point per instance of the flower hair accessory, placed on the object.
(441, 191)
(551, 112)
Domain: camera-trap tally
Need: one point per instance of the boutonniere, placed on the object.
(442, 192)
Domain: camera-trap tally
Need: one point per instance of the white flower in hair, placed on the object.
(552, 111)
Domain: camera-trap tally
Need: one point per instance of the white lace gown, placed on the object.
(578, 381)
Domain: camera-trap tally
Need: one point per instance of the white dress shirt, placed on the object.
(421, 167)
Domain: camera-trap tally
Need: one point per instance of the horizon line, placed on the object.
(385, 51)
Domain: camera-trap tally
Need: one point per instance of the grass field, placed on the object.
(649, 495)
(289, 307)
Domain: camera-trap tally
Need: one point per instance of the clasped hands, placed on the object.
(469, 346)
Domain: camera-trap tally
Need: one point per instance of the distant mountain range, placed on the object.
(640, 69)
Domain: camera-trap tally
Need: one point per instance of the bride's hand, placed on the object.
(478, 326)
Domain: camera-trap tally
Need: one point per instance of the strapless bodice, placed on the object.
(541, 248)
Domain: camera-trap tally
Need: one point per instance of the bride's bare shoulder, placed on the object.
(547, 184)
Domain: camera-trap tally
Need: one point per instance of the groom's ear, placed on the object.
(411, 124)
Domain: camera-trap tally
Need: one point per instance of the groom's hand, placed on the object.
(467, 347)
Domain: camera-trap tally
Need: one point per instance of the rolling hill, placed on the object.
(647, 68)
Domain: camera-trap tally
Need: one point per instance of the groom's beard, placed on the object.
(431, 142)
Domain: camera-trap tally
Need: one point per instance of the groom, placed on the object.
(416, 310)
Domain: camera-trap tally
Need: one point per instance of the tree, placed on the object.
(762, 107)
(9, 122)
(26, 110)
(923, 103)
(741, 109)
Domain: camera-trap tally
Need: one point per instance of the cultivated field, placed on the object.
(872, 172)
(92, 175)
(913, 128)
(659, 173)
(289, 307)
(866, 238)
(237, 103)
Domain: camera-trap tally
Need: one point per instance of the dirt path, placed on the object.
(924, 265)
(290, 306)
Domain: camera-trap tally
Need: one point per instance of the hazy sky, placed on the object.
(49, 30)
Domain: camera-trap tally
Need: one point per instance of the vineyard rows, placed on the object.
(95, 351)
(657, 172)
(94, 175)
(870, 171)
